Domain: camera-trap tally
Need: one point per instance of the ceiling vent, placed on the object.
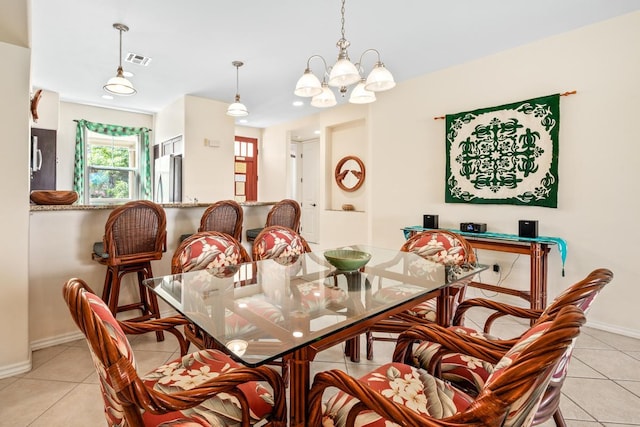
(134, 58)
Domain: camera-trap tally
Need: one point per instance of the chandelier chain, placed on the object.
(342, 19)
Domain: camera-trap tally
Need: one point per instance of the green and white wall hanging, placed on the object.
(504, 155)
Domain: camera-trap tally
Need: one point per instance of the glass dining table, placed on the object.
(294, 307)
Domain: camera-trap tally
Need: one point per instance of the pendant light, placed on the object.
(119, 85)
(343, 74)
(237, 109)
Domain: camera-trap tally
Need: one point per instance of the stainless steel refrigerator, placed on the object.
(168, 179)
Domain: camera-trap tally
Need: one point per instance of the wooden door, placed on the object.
(246, 169)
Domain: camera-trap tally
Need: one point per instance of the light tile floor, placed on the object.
(602, 388)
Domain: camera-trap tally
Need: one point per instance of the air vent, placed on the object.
(134, 58)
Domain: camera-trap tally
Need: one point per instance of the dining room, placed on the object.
(401, 141)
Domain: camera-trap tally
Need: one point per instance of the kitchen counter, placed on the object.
(76, 207)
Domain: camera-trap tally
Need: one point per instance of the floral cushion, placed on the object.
(472, 374)
(209, 252)
(439, 247)
(317, 296)
(280, 243)
(425, 310)
(405, 385)
(194, 369)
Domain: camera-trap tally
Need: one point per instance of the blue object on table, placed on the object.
(562, 244)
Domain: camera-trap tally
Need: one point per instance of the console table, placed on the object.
(536, 248)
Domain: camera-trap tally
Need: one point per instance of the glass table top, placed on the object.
(263, 310)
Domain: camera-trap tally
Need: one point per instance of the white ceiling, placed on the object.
(193, 42)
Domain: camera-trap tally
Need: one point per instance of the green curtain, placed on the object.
(112, 130)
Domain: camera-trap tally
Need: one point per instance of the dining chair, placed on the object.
(470, 372)
(279, 242)
(285, 213)
(202, 388)
(217, 251)
(401, 394)
(440, 246)
(135, 234)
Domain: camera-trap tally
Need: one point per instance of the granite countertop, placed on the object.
(74, 207)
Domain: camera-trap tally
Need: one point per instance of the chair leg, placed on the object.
(559, 419)
(369, 345)
(150, 299)
(116, 278)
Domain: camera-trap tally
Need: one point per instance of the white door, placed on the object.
(310, 218)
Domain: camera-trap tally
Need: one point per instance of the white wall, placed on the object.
(207, 171)
(597, 208)
(15, 354)
(598, 205)
(169, 122)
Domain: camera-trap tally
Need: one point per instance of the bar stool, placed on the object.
(135, 234)
(285, 213)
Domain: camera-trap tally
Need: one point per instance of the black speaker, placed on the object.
(527, 228)
(430, 221)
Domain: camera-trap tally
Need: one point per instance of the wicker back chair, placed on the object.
(285, 213)
(185, 391)
(224, 216)
(441, 246)
(134, 235)
(407, 396)
(471, 376)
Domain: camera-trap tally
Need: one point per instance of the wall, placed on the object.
(169, 122)
(349, 139)
(597, 208)
(15, 354)
(207, 171)
(336, 228)
(67, 133)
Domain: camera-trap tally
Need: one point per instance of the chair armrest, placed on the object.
(167, 324)
(501, 309)
(228, 382)
(450, 342)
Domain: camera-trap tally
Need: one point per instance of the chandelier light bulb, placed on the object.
(379, 79)
(360, 95)
(324, 99)
(308, 85)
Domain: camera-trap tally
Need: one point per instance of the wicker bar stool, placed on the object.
(285, 213)
(135, 234)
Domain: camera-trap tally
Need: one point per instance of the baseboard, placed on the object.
(57, 340)
(631, 333)
(15, 369)
(77, 335)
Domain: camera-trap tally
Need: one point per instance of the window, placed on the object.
(112, 168)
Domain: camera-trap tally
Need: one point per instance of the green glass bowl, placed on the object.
(347, 259)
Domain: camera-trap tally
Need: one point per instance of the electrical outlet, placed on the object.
(496, 268)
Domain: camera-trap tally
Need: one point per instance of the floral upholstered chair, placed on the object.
(205, 388)
(469, 372)
(219, 253)
(442, 247)
(398, 394)
(278, 242)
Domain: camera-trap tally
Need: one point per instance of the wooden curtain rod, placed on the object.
(572, 92)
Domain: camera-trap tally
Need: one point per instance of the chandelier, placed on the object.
(119, 85)
(237, 108)
(342, 75)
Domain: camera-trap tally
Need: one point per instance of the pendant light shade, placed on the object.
(379, 79)
(119, 85)
(308, 85)
(360, 95)
(237, 109)
(325, 99)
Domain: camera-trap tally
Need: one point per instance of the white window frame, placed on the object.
(98, 139)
